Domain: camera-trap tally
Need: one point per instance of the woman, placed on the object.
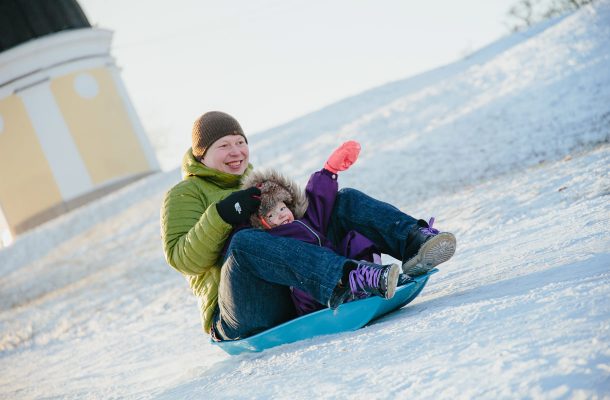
(243, 290)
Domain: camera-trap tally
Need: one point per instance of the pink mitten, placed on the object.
(343, 157)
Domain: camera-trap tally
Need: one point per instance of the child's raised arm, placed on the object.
(322, 186)
(343, 157)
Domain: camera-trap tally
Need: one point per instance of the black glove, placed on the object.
(238, 206)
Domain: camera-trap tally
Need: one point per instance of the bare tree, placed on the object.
(526, 13)
(523, 12)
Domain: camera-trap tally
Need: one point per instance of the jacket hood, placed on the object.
(276, 187)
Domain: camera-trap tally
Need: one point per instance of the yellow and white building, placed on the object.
(68, 131)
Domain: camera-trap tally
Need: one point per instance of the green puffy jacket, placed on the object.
(193, 233)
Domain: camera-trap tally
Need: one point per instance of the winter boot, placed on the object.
(404, 279)
(426, 248)
(366, 278)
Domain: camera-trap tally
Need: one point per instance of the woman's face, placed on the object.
(279, 215)
(228, 154)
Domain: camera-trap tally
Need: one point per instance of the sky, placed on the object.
(269, 62)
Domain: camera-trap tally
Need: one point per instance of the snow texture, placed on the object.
(509, 149)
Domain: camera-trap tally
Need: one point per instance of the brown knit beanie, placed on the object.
(210, 127)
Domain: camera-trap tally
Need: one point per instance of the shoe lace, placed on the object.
(363, 276)
(429, 230)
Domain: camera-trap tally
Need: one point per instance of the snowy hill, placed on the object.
(509, 149)
(509, 106)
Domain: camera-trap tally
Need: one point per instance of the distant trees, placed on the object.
(526, 13)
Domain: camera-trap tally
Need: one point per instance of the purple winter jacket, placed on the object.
(312, 226)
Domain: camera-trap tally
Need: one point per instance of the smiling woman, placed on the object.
(219, 143)
(229, 154)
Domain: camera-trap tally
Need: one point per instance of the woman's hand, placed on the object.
(237, 207)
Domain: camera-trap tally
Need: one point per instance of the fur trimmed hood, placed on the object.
(276, 187)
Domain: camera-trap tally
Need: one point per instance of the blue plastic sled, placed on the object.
(348, 317)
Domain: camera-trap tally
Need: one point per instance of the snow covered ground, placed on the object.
(509, 149)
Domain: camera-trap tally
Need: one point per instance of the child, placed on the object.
(287, 211)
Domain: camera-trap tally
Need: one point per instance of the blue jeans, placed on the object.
(259, 268)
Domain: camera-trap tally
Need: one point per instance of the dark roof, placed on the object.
(23, 20)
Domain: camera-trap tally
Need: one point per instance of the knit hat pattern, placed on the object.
(210, 127)
(274, 188)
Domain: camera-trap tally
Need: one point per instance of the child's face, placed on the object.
(279, 215)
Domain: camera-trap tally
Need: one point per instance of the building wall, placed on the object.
(67, 127)
(109, 147)
(28, 186)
